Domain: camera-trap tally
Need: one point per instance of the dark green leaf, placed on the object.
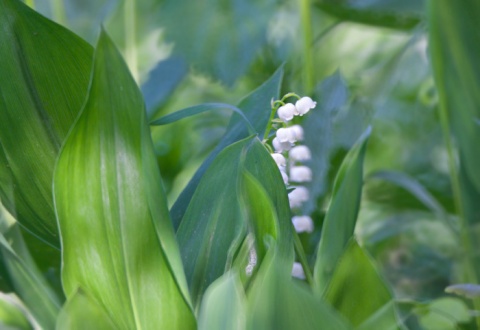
(197, 109)
(219, 37)
(342, 213)
(358, 292)
(81, 311)
(214, 225)
(117, 240)
(224, 305)
(256, 108)
(44, 77)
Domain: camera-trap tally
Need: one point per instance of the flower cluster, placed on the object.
(290, 156)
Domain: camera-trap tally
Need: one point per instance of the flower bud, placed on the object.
(304, 105)
(297, 271)
(286, 112)
(297, 131)
(300, 154)
(300, 174)
(286, 135)
(298, 196)
(279, 159)
(303, 223)
(281, 146)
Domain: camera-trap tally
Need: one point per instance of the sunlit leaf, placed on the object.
(117, 240)
(44, 72)
(341, 217)
(82, 312)
(256, 108)
(12, 314)
(224, 305)
(358, 292)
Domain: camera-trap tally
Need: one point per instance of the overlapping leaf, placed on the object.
(117, 240)
(341, 217)
(44, 70)
(12, 316)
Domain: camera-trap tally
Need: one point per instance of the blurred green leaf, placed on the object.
(214, 225)
(82, 312)
(217, 33)
(358, 292)
(397, 14)
(276, 301)
(341, 217)
(256, 108)
(27, 280)
(12, 316)
(224, 305)
(121, 249)
(44, 77)
(444, 313)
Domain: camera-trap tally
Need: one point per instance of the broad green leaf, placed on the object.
(197, 109)
(358, 292)
(224, 305)
(82, 312)
(397, 14)
(339, 223)
(12, 315)
(256, 108)
(27, 280)
(219, 37)
(444, 313)
(44, 77)
(214, 225)
(117, 240)
(454, 49)
(276, 301)
(383, 318)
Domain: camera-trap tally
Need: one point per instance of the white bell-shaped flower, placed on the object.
(300, 154)
(286, 112)
(286, 135)
(297, 271)
(297, 131)
(279, 159)
(281, 146)
(303, 223)
(300, 174)
(284, 177)
(297, 197)
(304, 105)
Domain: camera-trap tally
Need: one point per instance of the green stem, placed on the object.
(302, 258)
(59, 13)
(269, 125)
(30, 3)
(307, 45)
(468, 261)
(130, 47)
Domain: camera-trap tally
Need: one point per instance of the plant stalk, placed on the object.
(130, 31)
(30, 3)
(307, 45)
(302, 258)
(59, 12)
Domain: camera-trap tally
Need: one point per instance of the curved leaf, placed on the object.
(341, 217)
(256, 108)
(45, 70)
(12, 314)
(117, 240)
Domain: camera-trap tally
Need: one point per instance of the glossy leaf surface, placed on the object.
(117, 240)
(341, 217)
(45, 70)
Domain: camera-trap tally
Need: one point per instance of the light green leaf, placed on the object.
(12, 314)
(82, 312)
(27, 280)
(224, 305)
(214, 225)
(44, 77)
(444, 313)
(276, 301)
(339, 223)
(358, 292)
(117, 240)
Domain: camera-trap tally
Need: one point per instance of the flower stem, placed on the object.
(269, 125)
(130, 47)
(30, 3)
(301, 257)
(59, 13)
(307, 45)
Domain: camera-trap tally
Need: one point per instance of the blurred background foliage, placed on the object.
(370, 67)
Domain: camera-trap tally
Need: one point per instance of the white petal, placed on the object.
(284, 177)
(281, 146)
(303, 223)
(297, 271)
(286, 112)
(279, 159)
(298, 196)
(304, 105)
(300, 174)
(284, 134)
(300, 154)
(297, 131)
(467, 290)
